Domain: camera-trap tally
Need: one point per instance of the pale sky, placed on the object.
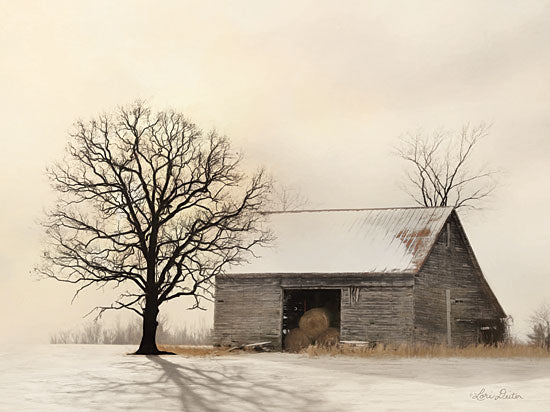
(318, 92)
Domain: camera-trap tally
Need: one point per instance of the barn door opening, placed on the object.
(298, 301)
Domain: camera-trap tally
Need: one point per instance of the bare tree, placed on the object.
(150, 204)
(285, 198)
(540, 327)
(441, 173)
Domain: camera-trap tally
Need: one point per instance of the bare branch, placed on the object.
(285, 198)
(440, 173)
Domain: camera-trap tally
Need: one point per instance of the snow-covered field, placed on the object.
(104, 378)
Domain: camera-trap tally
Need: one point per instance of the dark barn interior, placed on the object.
(297, 301)
(491, 332)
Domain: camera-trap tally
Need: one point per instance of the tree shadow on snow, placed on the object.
(208, 386)
(212, 390)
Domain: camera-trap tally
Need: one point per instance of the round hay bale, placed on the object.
(328, 338)
(296, 340)
(314, 322)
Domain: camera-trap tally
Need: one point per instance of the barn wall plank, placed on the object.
(247, 311)
(381, 314)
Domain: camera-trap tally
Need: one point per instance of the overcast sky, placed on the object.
(317, 92)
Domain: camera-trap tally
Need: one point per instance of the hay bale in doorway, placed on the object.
(314, 322)
(296, 340)
(328, 338)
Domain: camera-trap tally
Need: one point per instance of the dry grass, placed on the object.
(189, 350)
(431, 351)
(381, 350)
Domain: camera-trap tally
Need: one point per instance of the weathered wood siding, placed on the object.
(380, 314)
(450, 267)
(247, 310)
(374, 307)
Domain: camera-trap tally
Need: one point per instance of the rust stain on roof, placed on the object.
(413, 239)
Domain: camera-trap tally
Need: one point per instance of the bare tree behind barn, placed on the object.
(540, 327)
(150, 204)
(441, 172)
(286, 198)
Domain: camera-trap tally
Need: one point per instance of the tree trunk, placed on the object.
(148, 345)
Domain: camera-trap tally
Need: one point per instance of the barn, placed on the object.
(387, 275)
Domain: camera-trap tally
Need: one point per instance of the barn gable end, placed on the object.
(451, 266)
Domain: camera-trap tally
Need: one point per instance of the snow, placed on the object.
(358, 240)
(92, 378)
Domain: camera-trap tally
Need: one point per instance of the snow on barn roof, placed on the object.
(391, 240)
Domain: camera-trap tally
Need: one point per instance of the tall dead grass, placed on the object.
(431, 351)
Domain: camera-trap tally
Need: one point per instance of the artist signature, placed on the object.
(483, 395)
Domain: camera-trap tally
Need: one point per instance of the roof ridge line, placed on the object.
(271, 212)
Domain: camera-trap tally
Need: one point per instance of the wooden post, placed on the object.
(448, 299)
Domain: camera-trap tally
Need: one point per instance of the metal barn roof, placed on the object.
(395, 240)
